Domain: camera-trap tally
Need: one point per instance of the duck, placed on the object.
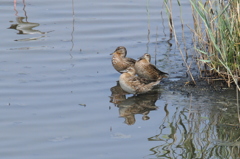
(133, 84)
(119, 60)
(145, 69)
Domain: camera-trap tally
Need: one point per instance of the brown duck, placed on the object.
(134, 84)
(119, 60)
(145, 69)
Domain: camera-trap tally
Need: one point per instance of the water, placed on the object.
(59, 97)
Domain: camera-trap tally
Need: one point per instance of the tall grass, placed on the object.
(217, 37)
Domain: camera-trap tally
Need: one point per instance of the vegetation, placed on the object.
(217, 37)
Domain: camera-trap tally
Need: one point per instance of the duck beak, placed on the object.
(113, 53)
(123, 71)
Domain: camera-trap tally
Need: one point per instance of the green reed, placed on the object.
(217, 36)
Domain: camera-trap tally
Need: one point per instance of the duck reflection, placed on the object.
(118, 94)
(23, 26)
(137, 104)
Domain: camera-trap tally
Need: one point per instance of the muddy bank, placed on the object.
(201, 86)
(216, 90)
(215, 99)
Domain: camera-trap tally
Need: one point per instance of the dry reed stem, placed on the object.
(172, 29)
(238, 106)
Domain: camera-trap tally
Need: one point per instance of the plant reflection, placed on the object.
(192, 133)
(139, 104)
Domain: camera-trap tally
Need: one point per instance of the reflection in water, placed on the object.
(118, 94)
(15, 7)
(73, 23)
(25, 27)
(192, 133)
(140, 104)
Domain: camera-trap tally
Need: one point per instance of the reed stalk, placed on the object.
(217, 37)
(168, 6)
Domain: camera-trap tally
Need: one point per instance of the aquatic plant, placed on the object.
(217, 37)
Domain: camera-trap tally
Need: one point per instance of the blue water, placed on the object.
(56, 76)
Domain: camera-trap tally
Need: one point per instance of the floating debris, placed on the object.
(82, 105)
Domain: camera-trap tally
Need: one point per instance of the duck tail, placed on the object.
(155, 83)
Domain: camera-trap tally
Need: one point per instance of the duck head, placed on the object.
(121, 50)
(146, 56)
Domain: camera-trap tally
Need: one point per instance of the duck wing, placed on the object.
(142, 85)
(157, 70)
(130, 60)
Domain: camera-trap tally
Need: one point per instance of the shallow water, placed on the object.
(59, 96)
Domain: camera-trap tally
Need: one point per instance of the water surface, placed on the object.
(59, 96)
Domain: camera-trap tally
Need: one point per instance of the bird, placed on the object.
(119, 60)
(133, 84)
(145, 69)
